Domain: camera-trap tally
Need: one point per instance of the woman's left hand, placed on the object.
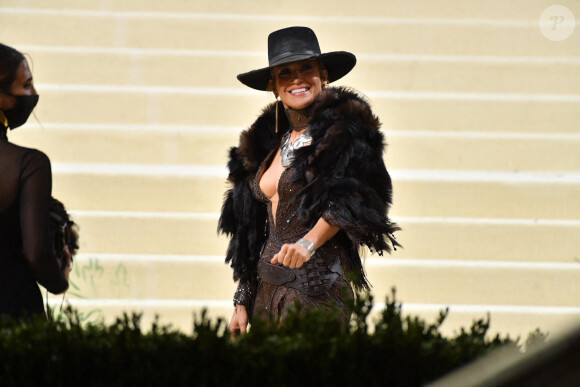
(292, 256)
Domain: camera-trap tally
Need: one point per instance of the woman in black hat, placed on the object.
(309, 186)
(26, 252)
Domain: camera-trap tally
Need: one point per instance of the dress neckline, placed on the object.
(272, 215)
(298, 118)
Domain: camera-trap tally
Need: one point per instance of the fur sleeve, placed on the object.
(242, 218)
(347, 181)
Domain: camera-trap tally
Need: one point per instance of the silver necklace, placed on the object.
(287, 149)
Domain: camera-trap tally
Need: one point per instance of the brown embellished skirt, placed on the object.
(276, 301)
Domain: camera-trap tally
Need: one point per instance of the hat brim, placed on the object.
(337, 63)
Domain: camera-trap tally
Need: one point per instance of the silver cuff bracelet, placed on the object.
(309, 245)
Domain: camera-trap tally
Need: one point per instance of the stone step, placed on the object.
(515, 321)
(476, 282)
(427, 193)
(222, 32)
(103, 286)
(149, 190)
(521, 240)
(465, 112)
(371, 9)
(123, 144)
(143, 277)
(97, 276)
(174, 145)
(176, 286)
(475, 79)
(373, 72)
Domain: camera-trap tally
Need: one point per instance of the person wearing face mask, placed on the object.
(308, 186)
(27, 255)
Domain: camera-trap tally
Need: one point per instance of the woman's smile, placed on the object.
(298, 84)
(301, 90)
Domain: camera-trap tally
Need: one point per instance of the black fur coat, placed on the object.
(345, 181)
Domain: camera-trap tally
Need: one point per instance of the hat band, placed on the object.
(278, 59)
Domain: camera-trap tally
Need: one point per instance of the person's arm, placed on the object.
(36, 186)
(295, 255)
(239, 321)
(243, 300)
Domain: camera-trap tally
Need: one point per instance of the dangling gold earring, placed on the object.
(277, 100)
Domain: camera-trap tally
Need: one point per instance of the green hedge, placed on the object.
(307, 349)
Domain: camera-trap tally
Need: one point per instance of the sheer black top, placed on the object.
(26, 253)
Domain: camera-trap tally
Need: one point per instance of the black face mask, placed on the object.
(18, 115)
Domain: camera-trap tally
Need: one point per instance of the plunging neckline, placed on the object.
(298, 119)
(263, 168)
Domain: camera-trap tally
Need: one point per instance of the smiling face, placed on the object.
(299, 83)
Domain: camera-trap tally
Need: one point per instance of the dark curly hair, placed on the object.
(10, 59)
(63, 230)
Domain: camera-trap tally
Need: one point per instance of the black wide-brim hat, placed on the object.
(294, 44)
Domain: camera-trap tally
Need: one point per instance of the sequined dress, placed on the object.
(318, 283)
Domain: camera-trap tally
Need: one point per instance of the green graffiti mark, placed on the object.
(120, 283)
(92, 273)
(91, 280)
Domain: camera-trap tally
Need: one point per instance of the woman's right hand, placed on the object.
(239, 321)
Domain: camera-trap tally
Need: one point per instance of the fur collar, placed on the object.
(337, 114)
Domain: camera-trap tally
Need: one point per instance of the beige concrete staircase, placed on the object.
(139, 104)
